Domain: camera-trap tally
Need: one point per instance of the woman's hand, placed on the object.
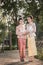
(25, 33)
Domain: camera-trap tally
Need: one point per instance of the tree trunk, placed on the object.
(10, 33)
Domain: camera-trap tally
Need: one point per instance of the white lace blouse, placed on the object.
(20, 30)
(31, 28)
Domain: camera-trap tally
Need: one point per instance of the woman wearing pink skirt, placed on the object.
(20, 30)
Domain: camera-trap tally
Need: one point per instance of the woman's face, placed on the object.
(21, 22)
(29, 19)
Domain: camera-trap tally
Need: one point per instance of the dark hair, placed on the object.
(31, 17)
(20, 19)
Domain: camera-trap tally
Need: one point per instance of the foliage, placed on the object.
(2, 31)
(12, 7)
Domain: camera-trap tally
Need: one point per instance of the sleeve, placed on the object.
(34, 27)
(18, 31)
(27, 28)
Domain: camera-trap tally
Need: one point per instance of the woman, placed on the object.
(31, 30)
(20, 30)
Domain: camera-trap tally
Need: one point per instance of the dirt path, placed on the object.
(12, 58)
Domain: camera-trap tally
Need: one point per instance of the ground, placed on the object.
(12, 58)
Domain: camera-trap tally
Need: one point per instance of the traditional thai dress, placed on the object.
(31, 44)
(20, 29)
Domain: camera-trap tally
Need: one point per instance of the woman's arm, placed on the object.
(34, 27)
(18, 31)
(26, 30)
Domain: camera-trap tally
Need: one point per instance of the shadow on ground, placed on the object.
(17, 63)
